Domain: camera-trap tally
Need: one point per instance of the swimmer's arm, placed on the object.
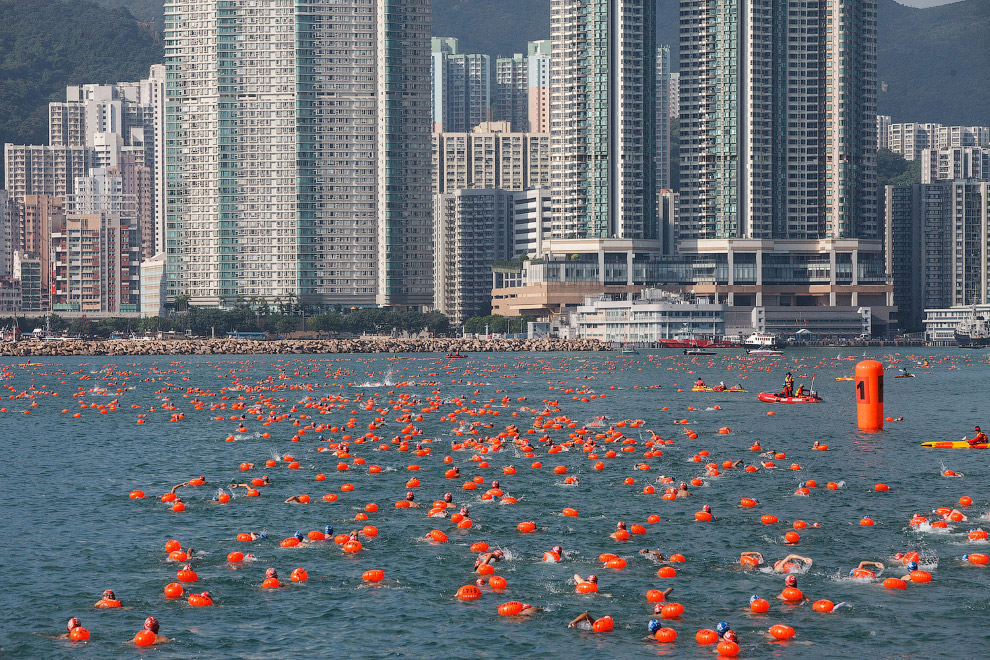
(584, 616)
(578, 579)
(666, 592)
(871, 563)
(752, 553)
(178, 486)
(294, 498)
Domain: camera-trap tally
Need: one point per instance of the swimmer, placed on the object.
(151, 623)
(488, 558)
(790, 582)
(682, 490)
(619, 527)
(178, 486)
(911, 567)
(699, 383)
(583, 621)
(708, 509)
(528, 610)
(70, 626)
(785, 565)
(555, 554)
(107, 600)
(593, 579)
(752, 556)
(653, 554)
(294, 498)
(257, 535)
(861, 571)
(449, 501)
(724, 632)
(410, 497)
(955, 512)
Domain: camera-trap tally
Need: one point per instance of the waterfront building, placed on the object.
(936, 247)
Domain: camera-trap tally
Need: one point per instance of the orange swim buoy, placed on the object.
(145, 638)
(136, 494)
(894, 583)
(791, 595)
(586, 588)
(526, 527)
(79, 634)
(173, 590)
(374, 575)
(706, 636)
(200, 600)
(729, 649)
(781, 631)
(186, 575)
(672, 610)
(469, 592)
(497, 582)
(702, 516)
(666, 572)
(823, 606)
(299, 575)
(759, 605)
(352, 546)
(603, 624)
(437, 536)
(271, 583)
(511, 608)
(665, 635)
(235, 556)
(573, 513)
(768, 519)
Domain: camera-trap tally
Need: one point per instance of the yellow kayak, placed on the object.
(953, 444)
(709, 389)
(846, 378)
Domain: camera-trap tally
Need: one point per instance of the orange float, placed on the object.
(781, 631)
(665, 635)
(706, 636)
(469, 592)
(511, 608)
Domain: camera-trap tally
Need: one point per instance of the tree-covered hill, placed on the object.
(48, 44)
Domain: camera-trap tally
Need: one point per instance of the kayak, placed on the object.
(709, 389)
(905, 376)
(953, 444)
(770, 397)
(845, 378)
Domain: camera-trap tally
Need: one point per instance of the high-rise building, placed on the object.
(298, 156)
(41, 217)
(778, 120)
(778, 149)
(883, 131)
(490, 156)
(947, 137)
(512, 91)
(675, 94)
(538, 74)
(909, 139)
(950, 163)
(462, 87)
(8, 235)
(936, 247)
(602, 107)
(663, 118)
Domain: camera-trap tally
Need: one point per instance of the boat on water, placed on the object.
(953, 444)
(773, 397)
(629, 349)
(845, 378)
(684, 338)
(973, 332)
(904, 376)
(763, 352)
(760, 340)
(698, 351)
(455, 356)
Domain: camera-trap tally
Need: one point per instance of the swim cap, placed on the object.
(965, 557)
(298, 535)
(729, 636)
(593, 578)
(658, 608)
(271, 573)
(912, 565)
(801, 485)
(977, 428)
(262, 535)
(654, 626)
(683, 485)
(447, 497)
(753, 597)
(557, 549)
(73, 623)
(409, 495)
(620, 525)
(498, 553)
(707, 508)
(108, 593)
(216, 499)
(480, 582)
(790, 581)
(328, 529)
(151, 623)
(721, 628)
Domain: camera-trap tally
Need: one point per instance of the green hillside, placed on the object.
(48, 44)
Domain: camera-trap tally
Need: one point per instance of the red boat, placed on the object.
(772, 397)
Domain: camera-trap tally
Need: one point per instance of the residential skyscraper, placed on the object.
(778, 119)
(298, 156)
(538, 74)
(8, 235)
(602, 106)
(462, 87)
(663, 118)
(512, 91)
(952, 163)
(490, 156)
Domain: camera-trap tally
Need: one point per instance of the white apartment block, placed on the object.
(490, 156)
(8, 235)
(298, 162)
(883, 132)
(950, 163)
(462, 87)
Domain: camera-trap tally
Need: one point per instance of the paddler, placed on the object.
(788, 385)
(979, 439)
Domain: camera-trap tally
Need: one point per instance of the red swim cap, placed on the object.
(73, 623)
(151, 623)
(271, 573)
(790, 581)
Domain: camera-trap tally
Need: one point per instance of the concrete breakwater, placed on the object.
(291, 346)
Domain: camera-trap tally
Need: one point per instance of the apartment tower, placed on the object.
(298, 151)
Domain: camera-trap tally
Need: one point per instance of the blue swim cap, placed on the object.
(965, 557)
(298, 535)
(653, 626)
(753, 597)
(801, 485)
(912, 565)
(262, 535)
(216, 499)
(721, 628)
(328, 529)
